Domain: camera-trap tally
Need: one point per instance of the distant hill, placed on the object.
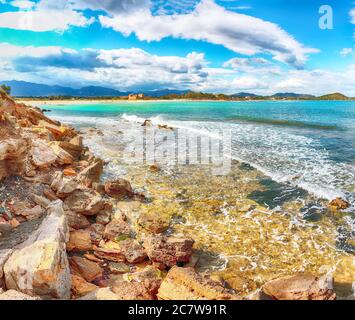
(244, 95)
(333, 96)
(291, 95)
(164, 92)
(29, 89)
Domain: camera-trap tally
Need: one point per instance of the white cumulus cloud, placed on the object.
(212, 23)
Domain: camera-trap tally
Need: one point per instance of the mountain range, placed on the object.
(29, 89)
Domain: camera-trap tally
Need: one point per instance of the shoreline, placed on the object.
(35, 102)
(125, 235)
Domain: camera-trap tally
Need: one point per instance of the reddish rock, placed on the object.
(117, 230)
(169, 250)
(86, 202)
(153, 223)
(119, 188)
(77, 220)
(339, 204)
(87, 269)
(79, 240)
(80, 287)
(132, 250)
(92, 173)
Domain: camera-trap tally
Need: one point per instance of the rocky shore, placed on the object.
(64, 234)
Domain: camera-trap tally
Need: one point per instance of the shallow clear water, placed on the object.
(268, 216)
(310, 144)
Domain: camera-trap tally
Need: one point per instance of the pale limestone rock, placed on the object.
(39, 266)
(63, 157)
(101, 294)
(299, 287)
(16, 295)
(186, 284)
(42, 155)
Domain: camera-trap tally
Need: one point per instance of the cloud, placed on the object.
(109, 6)
(212, 23)
(44, 16)
(23, 4)
(352, 15)
(346, 51)
(41, 21)
(122, 68)
(136, 69)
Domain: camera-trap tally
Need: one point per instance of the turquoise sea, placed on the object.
(302, 145)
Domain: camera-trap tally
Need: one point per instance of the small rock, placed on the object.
(79, 240)
(153, 223)
(86, 202)
(92, 173)
(69, 172)
(339, 204)
(41, 154)
(119, 188)
(80, 287)
(117, 230)
(87, 269)
(76, 220)
(118, 268)
(169, 250)
(147, 123)
(132, 250)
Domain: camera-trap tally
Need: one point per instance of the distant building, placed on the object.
(135, 96)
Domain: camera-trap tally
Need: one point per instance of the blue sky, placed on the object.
(261, 46)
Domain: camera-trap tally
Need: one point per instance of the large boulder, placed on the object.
(299, 287)
(169, 251)
(186, 284)
(39, 266)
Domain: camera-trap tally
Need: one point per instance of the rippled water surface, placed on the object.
(268, 216)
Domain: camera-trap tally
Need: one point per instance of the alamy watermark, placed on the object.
(153, 146)
(326, 21)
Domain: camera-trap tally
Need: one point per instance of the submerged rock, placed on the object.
(339, 204)
(186, 284)
(299, 287)
(344, 277)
